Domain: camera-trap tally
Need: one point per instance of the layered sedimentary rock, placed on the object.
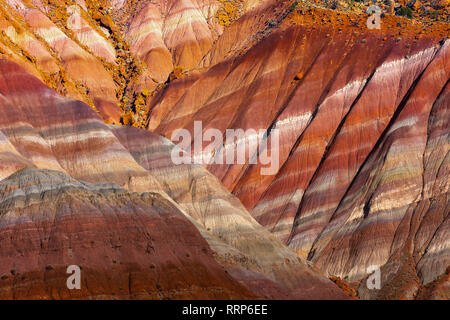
(106, 53)
(361, 166)
(128, 245)
(74, 45)
(96, 41)
(107, 198)
(162, 29)
(363, 143)
(202, 197)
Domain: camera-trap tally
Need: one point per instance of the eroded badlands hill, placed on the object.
(76, 191)
(364, 138)
(112, 54)
(364, 148)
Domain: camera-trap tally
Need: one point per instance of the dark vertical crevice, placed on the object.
(382, 137)
(327, 150)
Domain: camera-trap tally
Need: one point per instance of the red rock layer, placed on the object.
(353, 109)
(106, 53)
(66, 54)
(363, 177)
(184, 31)
(251, 254)
(106, 198)
(128, 245)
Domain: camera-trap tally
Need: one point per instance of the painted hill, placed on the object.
(363, 175)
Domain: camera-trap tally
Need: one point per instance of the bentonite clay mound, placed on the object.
(364, 139)
(75, 191)
(128, 245)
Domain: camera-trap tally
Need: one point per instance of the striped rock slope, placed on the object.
(106, 53)
(128, 245)
(364, 141)
(74, 190)
(63, 51)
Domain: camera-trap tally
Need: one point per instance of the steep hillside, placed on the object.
(363, 153)
(76, 191)
(112, 54)
(364, 143)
